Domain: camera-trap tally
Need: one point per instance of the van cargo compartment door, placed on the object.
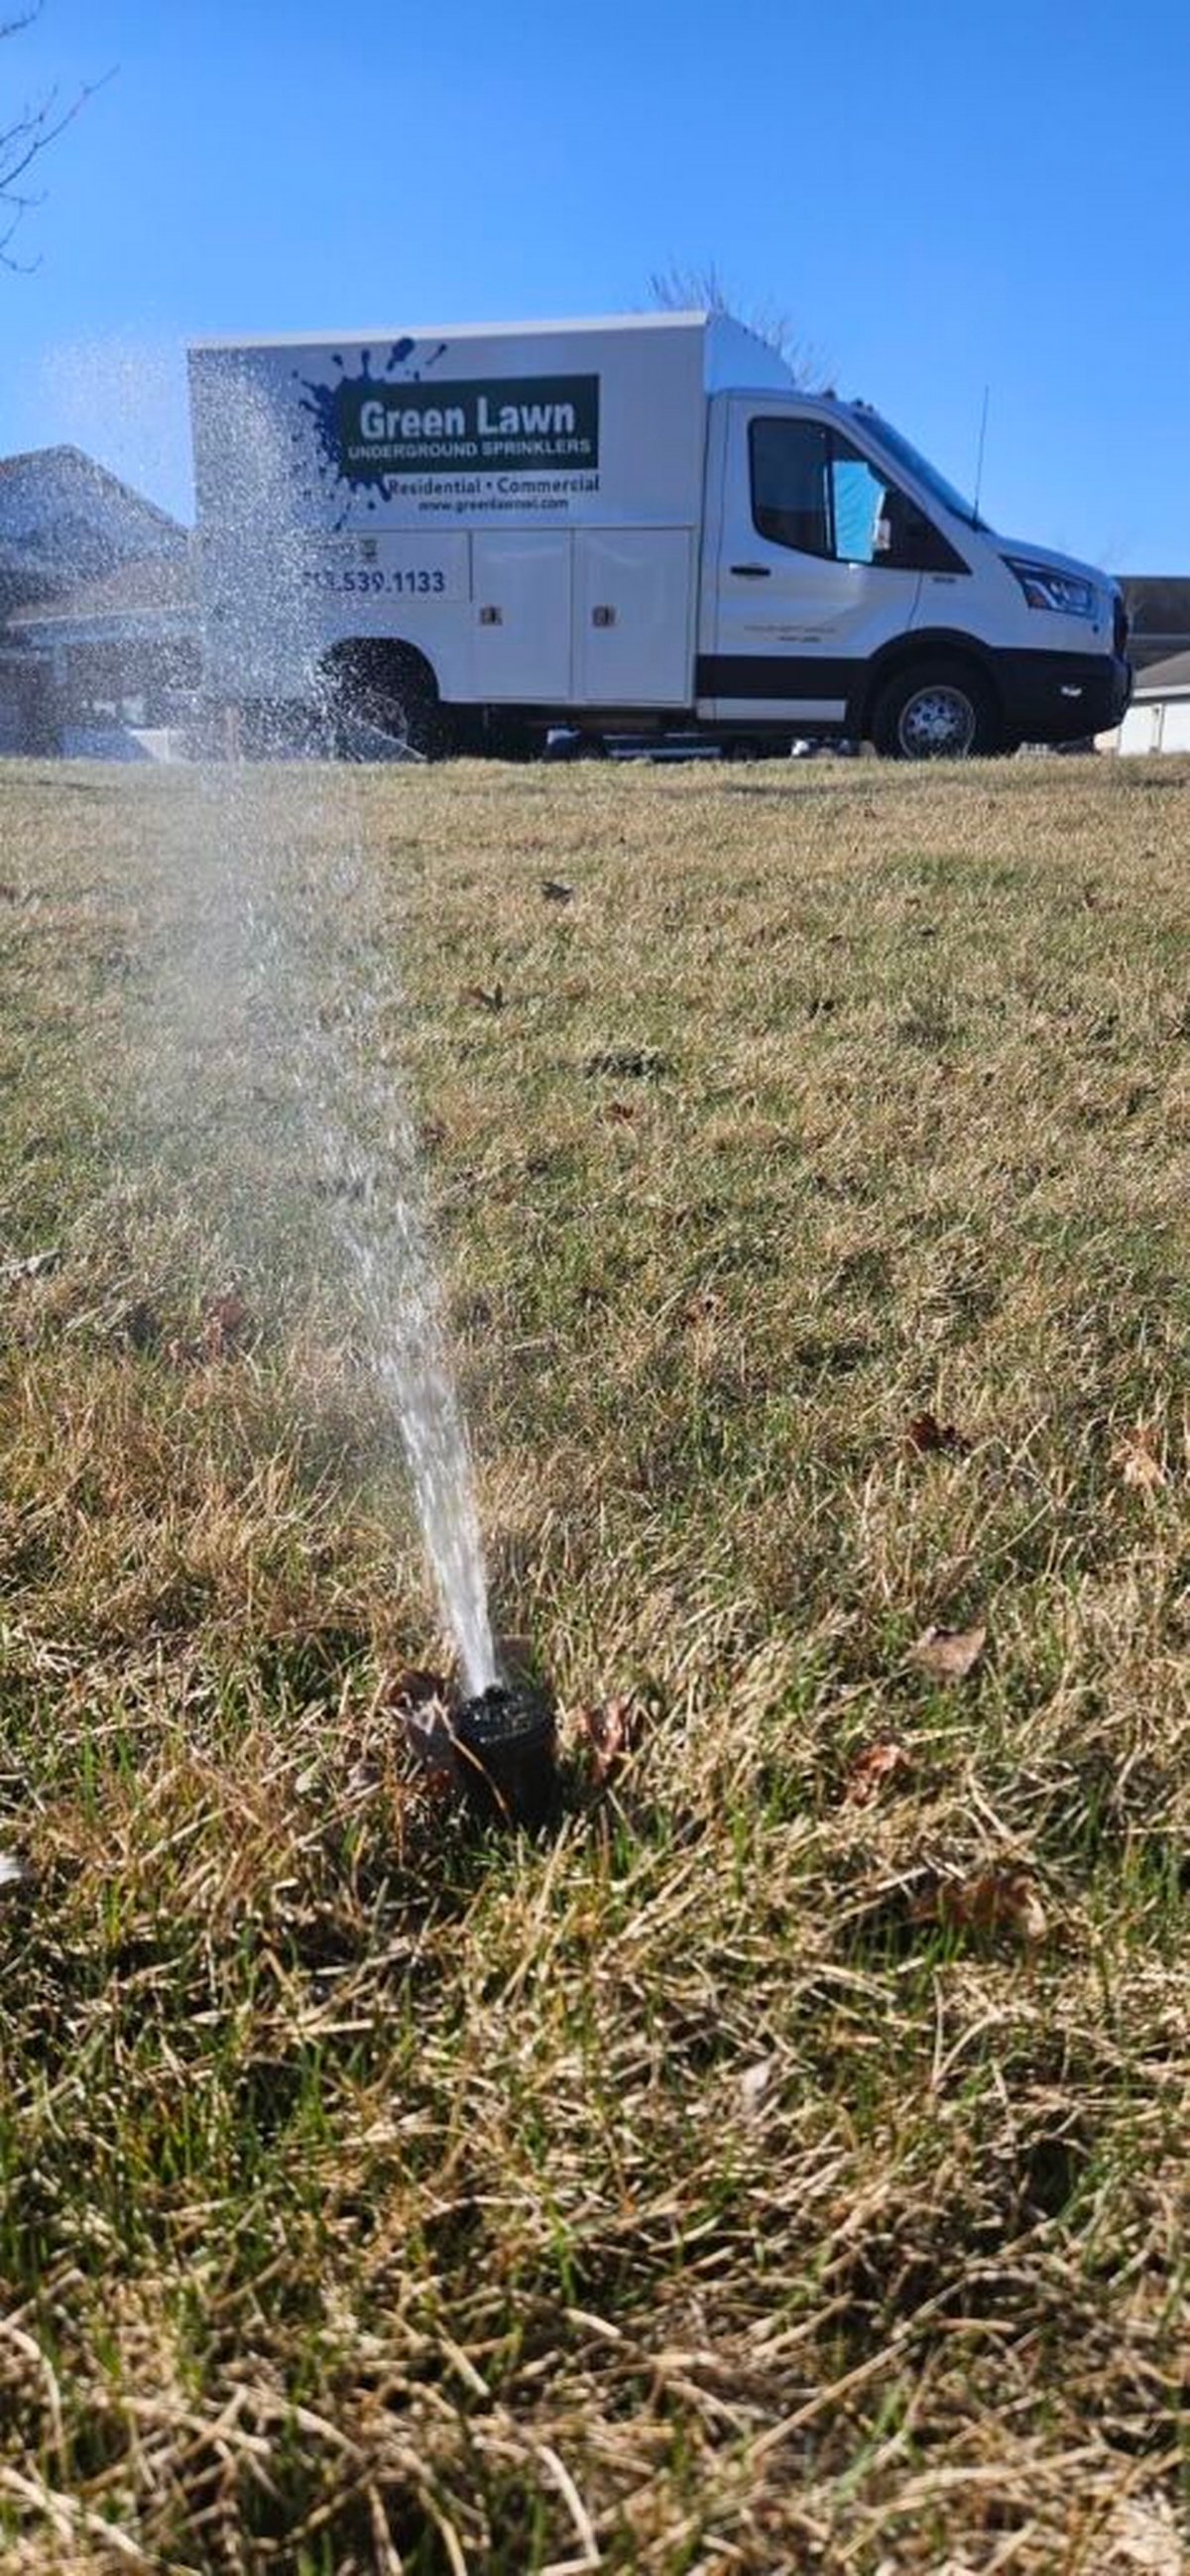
(632, 617)
(520, 613)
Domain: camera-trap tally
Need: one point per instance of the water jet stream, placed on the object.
(286, 970)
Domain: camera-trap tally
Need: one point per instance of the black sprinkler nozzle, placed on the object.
(506, 1756)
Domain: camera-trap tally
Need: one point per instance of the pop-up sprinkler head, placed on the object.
(506, 1756)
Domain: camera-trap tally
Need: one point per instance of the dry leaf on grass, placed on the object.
(754, 2083)
(948, 1654)
(413, 1687)
(931, 1438)
(1136, 1458)
(618, 1113)
(36, 1265)
(225, 1325)
(488, 1001)
(869, 1771)
(225, 1322)
(1145, 2538)
(632, 1064)
(554, 891)
(418, 1700)
(993, 1900)
(612, 1730)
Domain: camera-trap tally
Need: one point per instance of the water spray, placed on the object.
(494, 1742)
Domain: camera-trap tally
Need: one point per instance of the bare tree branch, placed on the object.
(23, 141)
(677, 288)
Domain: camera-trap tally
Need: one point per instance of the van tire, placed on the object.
(408, 714)
(938, 710)
(381, 702)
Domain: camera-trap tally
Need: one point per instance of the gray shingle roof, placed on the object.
(153, 582)
(1165, 679)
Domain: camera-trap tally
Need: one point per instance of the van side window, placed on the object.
(812, 490)
(876, 523)
(790, 483)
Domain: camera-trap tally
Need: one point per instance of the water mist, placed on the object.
(285, 975)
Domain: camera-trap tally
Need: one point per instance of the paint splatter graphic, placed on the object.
(326, 406)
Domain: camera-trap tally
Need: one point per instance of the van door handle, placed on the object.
(752, 572)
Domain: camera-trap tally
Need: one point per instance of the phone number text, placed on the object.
(375, 579)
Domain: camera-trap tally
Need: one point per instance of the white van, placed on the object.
(464, 537)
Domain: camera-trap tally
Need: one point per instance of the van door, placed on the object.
(632, 617)
(819, 564)
(520, 595)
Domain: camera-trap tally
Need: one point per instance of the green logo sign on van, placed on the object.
(506, 424)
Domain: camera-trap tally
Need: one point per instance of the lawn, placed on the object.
(780, 2167)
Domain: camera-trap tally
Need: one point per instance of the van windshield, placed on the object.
(919, 466)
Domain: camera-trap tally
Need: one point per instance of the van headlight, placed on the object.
(1045, 588)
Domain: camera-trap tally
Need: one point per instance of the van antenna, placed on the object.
(983, 431)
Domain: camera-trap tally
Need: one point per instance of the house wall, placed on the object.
(25, 707)
(1156, 724)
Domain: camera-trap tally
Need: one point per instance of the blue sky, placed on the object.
(941, 196)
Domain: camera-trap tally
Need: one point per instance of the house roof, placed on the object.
(64, 520)
(76, 461)
(1158, 607)
(1169, 679)
(152, 583)
(1162, 598)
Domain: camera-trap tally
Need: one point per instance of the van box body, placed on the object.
(494, 547)
(641, 518)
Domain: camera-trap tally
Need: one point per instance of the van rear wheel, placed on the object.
(403, 716)
(381, 703)
(936, 711)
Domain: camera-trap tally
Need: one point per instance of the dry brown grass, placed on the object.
(781, 2168)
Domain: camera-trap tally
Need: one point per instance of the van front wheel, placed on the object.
(936, 711)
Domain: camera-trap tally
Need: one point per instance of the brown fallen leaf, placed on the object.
(225, 1321)
(418, 1700)
(413, 1687)
(555, 892)
(612, 1729)
(993, 1900)
(1136, 1458)
(870, 1769)
(488, 1001)
(949, 1654)
(618, 1113)
(931, 1438)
